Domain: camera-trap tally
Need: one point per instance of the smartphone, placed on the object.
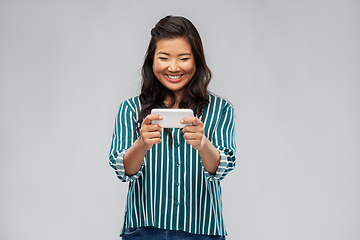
(172, 117)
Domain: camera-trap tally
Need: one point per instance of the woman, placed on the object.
(174, 175)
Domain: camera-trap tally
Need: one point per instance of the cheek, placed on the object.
(190, 68)
(158, 66)
(154, 67)
(157, 70)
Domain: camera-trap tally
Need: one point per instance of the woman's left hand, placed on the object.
(194, 135)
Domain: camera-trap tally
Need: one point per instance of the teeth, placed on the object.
(174, 77)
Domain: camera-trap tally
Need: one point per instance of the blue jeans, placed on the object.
(151, 233)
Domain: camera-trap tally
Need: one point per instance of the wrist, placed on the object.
(204, 142)
(141, 146)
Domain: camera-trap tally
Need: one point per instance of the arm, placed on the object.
(126, 141)
(123, 137)
(149, 135)
(217, 153)
(223, 140)
(194, 135)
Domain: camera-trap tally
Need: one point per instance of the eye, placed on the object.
(184, 59)
(163, 58)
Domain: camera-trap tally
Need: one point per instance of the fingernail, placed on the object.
(182, 121)
(160, 117)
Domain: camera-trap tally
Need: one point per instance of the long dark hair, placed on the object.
(153, 93)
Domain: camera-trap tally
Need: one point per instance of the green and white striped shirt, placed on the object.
(172, 190)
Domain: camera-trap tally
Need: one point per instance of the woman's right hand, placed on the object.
(150, 133)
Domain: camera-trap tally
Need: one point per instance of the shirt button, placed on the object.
(177, 203)
(177, 184)
(177, 145)
(178, 164)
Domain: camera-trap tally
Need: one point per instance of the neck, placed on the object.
(177, 101)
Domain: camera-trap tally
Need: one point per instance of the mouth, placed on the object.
(174, 78)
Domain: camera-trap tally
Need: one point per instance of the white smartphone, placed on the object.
(172, 117)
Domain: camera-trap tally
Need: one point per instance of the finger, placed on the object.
(151, 135)
(194, 120)
(151, 128)
(193, 136)
(195, 143)
(151, 117)
(152, 141)
(193, 129)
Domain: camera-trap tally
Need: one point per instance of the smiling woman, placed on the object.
(174, 174)
(174, 65)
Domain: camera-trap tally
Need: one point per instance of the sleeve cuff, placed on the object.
(116, 162)
(224, 166)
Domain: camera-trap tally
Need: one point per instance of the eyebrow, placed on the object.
(182, 54)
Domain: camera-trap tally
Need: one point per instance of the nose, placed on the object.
(173, 66)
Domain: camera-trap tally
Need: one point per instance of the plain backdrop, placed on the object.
(290, 68)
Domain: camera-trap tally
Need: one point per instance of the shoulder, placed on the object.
(219, 103)
(131, 105)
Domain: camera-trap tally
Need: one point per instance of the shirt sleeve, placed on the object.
(123, 137)
(224, 141)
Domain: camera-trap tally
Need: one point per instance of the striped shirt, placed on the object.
(172, 190)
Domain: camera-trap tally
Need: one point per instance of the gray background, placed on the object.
(290, 68)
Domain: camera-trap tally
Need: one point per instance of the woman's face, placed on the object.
(174, 64)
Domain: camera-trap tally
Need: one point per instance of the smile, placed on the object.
(175, 78)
